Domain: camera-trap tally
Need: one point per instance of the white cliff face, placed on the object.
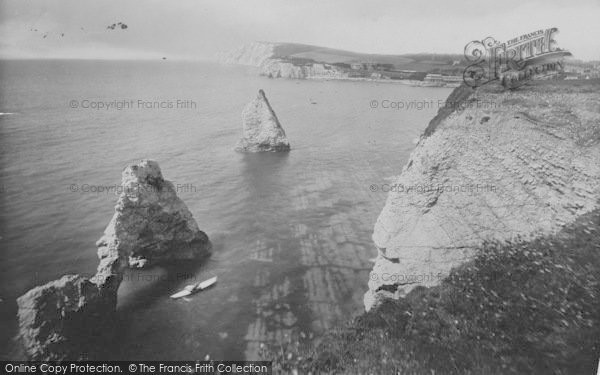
(261, 128)
(253, 54)
(276, 68)
(261, 55)
(511, 164)
(72, 318)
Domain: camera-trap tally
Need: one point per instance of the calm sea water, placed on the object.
(291, 231)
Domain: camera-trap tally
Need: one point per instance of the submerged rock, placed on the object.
(73, 317)
(261, 128)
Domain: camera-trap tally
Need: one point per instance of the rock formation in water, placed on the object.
(73, 317)
(492, 165)
(69, 318)
(261, 128)
(151, 224)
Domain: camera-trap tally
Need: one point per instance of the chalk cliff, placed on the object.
(492, 165)
(263, 56)
(277, 68)
(261, 128)
(73, 317)
(253, 54)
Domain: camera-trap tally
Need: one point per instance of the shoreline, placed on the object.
(411, 83)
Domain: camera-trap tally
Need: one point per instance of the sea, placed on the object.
(291, 231)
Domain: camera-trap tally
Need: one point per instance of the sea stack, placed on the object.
(151, 224)
(73, 318)
(262, 131)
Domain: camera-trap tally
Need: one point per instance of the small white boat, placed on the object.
(193, 288)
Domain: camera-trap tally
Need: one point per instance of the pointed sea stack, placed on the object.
(73, 318)
(151, 224)
(261, 128)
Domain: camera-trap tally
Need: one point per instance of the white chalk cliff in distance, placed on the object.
(261, 130)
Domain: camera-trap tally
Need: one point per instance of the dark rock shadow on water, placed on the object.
(264, 161)
(8, 330)
(264, 176)
(143, 288)
(275, 301)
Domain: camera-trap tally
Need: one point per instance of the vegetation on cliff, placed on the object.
(526, 307)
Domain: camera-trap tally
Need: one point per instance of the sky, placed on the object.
(199, 29)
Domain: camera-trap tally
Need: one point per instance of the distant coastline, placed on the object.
(297, 61)
(406, 82)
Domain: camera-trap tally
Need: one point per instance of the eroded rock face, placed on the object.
(496, 165)
(73, 317)
(261, 128)
(58, 319)
(151, 224)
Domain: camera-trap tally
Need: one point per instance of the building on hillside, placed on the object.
(452, 79)
(433, 78)
(404, 74)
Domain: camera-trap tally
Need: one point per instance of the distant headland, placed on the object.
(303, 61)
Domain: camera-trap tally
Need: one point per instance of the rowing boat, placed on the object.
(193, 288)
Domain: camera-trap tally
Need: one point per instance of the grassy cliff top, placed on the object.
(524, 307)
(422, 61)
(551, 100)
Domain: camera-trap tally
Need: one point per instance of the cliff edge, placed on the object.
(492, 165)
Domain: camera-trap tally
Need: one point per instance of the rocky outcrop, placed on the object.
(493, 165)
(151, 224)
(69, 318)
(73, 317)
(261, 128)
